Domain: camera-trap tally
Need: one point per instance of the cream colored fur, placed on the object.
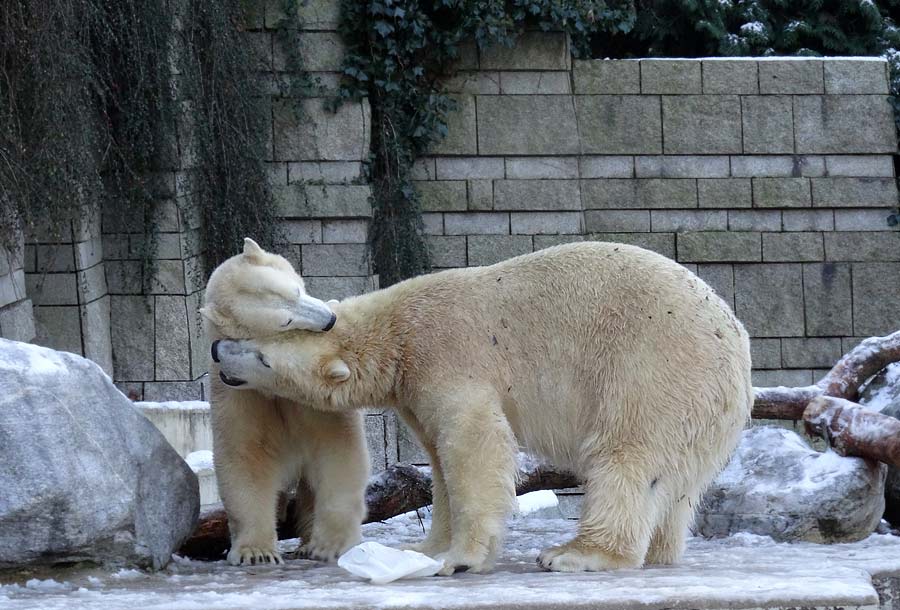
(604, 358)
(263, 444)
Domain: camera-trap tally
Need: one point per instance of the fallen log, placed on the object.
(853, 430)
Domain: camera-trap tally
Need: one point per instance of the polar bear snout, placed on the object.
(240, 362)
(313, 314)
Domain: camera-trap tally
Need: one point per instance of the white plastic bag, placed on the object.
(382, 564)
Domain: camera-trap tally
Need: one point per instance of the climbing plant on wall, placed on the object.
(398, 50)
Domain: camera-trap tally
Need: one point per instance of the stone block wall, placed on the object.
(771, 179)
(16, 317)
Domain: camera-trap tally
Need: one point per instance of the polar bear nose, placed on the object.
(214, 350)
(330, 324)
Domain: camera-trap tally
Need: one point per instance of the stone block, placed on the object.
(490, 249)
(447, 251)
(730, 76)
(199, 348)
(17, 321)
(345, 231)
(55, 259)
(320, 135)
(474, 83)
(302, 231)
(535, 83)
(321, 52)
(870, 166)
(477, 223)
(481, 194)
(95, 330)
(661, 243)
(532, 51)
(701, 124)
(330, 172)
(408, 447)
(115, 247)
(876, 299)
(844, 124)
(617, 193)
(131, 332)
(791, 76)
(687, 166)
(29, 260)
(166, 277)
(811, 352)
(854, 192)
(548, 241)
(88, 253)
(323, 201)
(688, 220)
(335, 259)
(868, 75)
(339, 287)
(668, 76)
(619, 124)
(91, 284)
(724, 193)
(550, 120)
(719, 246)
(769, 166)
(462, 131)
(123, 277)
(862, 246)
(465, 168)
(606, 167)
(788, 378)
(793, 247)
(606, 76)
(616, 221)
(424, 168)
(754, 220)
(313, 14)
(537, 195)
(177, 391)
(769, 299)
(541, 168)
(768, 124)
(442, 195)
(720, 278)
(433, 224)
(781, 193)
(48, 289)
(172, 353)
(545, 223)
(375, 439)
(861, 220)
(766, 353)
(58, 328)
(808, 220)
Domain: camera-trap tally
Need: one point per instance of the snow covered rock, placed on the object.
(776, 485)
(882, 393)
(83, 475)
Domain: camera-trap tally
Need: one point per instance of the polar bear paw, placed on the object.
(253, 555)
(574, 557)
(326, 548)
(429, 547)
(460, 562)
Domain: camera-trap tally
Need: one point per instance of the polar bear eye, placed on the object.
(288, 323)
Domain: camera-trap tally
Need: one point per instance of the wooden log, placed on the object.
(852, 430)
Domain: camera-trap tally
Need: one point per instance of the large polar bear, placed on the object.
(262, 444)
(606, 359)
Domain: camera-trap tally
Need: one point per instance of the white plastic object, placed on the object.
(382, 564)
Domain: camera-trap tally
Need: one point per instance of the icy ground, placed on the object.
(743, 571)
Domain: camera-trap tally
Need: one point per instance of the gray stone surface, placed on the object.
(698, 124)
(766, 353)
(688, 220)
(345, 231)
(720, 278)
(537, 195)
(791, 76)
(335, 259)
(855, 76)
(669, 76)
(532, 51)
(17, 321)
(532, 83)
(131, 333)
(808, 220)
(854, 192)
(490, 249)
(730, 77)
(550, 120)
(811, 352)
(541, 168)
(724, 193)
(95, 330)
(876, 299)
(480, 194)
(754, 220)
(781, 193)
(461, 138)
(442, 195)
(619, 124)
(484, 83)
(477, 223)
(109, 490)
(769, 299)
(339, 287)
(862, 246)
(447, 251)
(776, 485)
(768, 125)
(467, 168)
(319, 135)
(318, 201)
(614, 221)
(682, 166)
(715, 246)
(861, 220)
(844, 124)
(58, 328)
(786, 247)
(827, 299)
(860, 165)
(49, 289)
(545, 223)
(661, 243)
(606, 76)
(616, 193)
(607, 166)
(172, 349)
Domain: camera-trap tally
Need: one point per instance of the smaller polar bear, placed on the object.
(263, 444)
(607, 359)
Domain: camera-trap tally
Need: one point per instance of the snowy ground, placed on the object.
(739, 572)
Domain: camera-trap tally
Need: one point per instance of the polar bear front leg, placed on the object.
(476, 451)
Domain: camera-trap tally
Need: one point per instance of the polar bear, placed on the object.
(262, 443)
(604, 358)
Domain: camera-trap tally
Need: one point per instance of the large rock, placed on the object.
(83, 475)
(776, 485)
(882, 393)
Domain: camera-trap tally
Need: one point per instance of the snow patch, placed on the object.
(200, 461)
(535, 501)
(174, 405)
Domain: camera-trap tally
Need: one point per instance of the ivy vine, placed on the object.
(398, 52)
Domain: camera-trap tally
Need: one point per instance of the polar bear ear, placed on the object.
(213, 315)
(252, 249)
(338, 370)
(332, 302)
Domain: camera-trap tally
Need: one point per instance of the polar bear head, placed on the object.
(257, 294)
